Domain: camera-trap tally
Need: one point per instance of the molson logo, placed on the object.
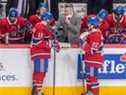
(114, 67)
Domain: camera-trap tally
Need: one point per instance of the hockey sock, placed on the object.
(38, 78)
(94, 86)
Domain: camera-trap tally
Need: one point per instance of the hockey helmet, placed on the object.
(93, 21)
(43, 5)
(102, 14)
(47, 16)
(119, 10)
(13, 12)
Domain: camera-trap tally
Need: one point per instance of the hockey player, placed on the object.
(117, 25)
(84, 23)
(12, 27)
(40, 51)
(104, 26)
(93, 58)
(28, 33)
(34, 19)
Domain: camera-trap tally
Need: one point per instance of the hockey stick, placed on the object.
(83, 37)
(80, 61)
(54, 63)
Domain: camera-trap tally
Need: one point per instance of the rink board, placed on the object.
(62, 91)
(15, 70)
(66, 73)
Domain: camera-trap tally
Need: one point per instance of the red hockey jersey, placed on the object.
(41, 46)
(104, 27)
(41, 31)
(84, 23)
(1, 32)
(113, 24)
(13, 29)
(93, 49)
(34, 19)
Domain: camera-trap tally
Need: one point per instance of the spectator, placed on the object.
(70, 24)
